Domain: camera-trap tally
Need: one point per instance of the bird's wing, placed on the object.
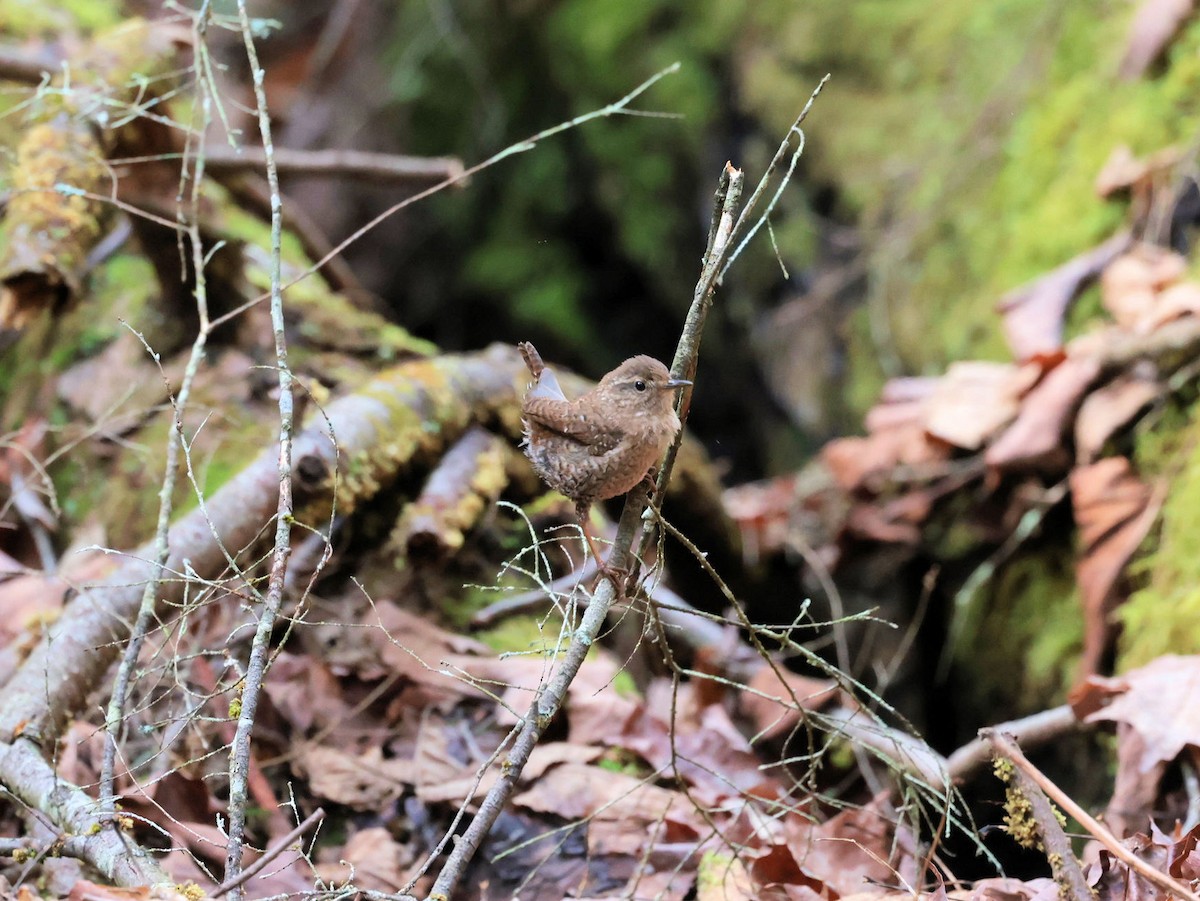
(560, 418)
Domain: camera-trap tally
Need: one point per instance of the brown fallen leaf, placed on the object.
(974, 400)
(853, 461)
(773, 695)
(362, 781)
(1114, 511)
(1110, 408)
(702, 746)
(1130, 283)
(416, 650)
(1122, 171)
(762, 512)
(901, 402)
(83, 890)
(857, 847)
(1034, 440)
(897, 435)
(1136, 788)
(1155, 24)
(574, 791)
(1161, 700)
(1034, 313)
(375, 860)
(451, 789)
(1007, 888)
(1112, 880)
(306, 693)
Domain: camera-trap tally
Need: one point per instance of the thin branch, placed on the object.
(616, 108)
(1025, 801)
(239, 757)
(549, 700)
(1036, 729)
(116, 705)
(376, 168)
(543, 709)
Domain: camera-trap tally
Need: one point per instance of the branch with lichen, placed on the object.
(57, 212)
(463, 485)
(401, 419)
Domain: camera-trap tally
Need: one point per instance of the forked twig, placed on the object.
(270, 854)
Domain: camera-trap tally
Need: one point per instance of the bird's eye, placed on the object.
(640, 385)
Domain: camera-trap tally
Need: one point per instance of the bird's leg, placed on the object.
(583, 510)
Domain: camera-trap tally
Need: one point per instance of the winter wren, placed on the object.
(602, 444)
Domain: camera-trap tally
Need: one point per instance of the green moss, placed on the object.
(1163, 616)
(522, 634)
(31, 17)
(627, 763)
(1032, 615)
(966, 145)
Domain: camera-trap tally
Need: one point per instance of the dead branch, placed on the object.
(56, 213)
(375, 168)
(1162, 880)
(1027, 800)
(256, 665)
(412, 410)
(1030, 731)
(464, 484)
(27, 774)
(270, 854)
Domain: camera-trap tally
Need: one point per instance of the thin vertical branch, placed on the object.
(115, 712)
(239, 763)
(541, 713)
(726, 224)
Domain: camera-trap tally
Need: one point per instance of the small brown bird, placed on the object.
(602, 444)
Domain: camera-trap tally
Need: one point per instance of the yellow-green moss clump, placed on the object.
(1164, 615)
(1031, 614)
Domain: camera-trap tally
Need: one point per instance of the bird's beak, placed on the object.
(678, 383)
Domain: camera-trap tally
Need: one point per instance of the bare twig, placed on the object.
(543, 710)
(1035, 729)
(116, 705)
(1009, 749)
(239, 755)
(613, 109)
(270, 854)
(376, 168)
